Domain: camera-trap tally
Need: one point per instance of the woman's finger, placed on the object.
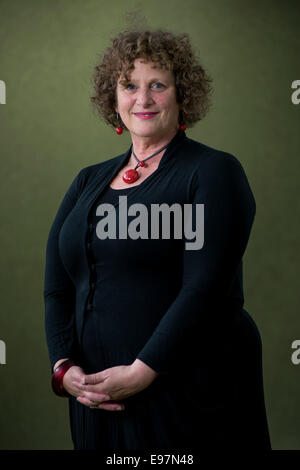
(104, 406)
(111, 406)
(85, 388)
(96, 397)
(93, 379)
(85, 401)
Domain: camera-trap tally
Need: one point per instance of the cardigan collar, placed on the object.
(177, 140)
(172, 146)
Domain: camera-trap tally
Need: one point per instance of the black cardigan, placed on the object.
(210, 297)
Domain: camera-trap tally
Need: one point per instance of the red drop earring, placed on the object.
(119, 129)
(182, 126)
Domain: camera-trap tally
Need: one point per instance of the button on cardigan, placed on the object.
(179, 311)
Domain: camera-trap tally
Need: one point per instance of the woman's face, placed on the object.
(147, 104)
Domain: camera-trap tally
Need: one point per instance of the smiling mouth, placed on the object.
(145, 114)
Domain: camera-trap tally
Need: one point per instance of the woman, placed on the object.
(148, 320)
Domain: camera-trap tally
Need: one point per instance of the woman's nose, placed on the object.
(144, 97)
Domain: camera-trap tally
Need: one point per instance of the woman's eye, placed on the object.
(158, 85)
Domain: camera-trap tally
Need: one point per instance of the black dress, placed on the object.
(180, 311)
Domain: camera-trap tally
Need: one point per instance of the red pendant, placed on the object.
(119, 130)
(130, 176)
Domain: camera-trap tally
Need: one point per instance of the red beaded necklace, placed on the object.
(130, 176)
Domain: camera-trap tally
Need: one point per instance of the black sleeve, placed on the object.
(199, 309)
(59, 290)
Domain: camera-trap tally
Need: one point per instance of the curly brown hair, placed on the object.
(168, 51)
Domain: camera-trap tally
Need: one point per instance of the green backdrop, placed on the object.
(49, 131)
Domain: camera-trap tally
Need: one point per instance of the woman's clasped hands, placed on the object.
(105, 389)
